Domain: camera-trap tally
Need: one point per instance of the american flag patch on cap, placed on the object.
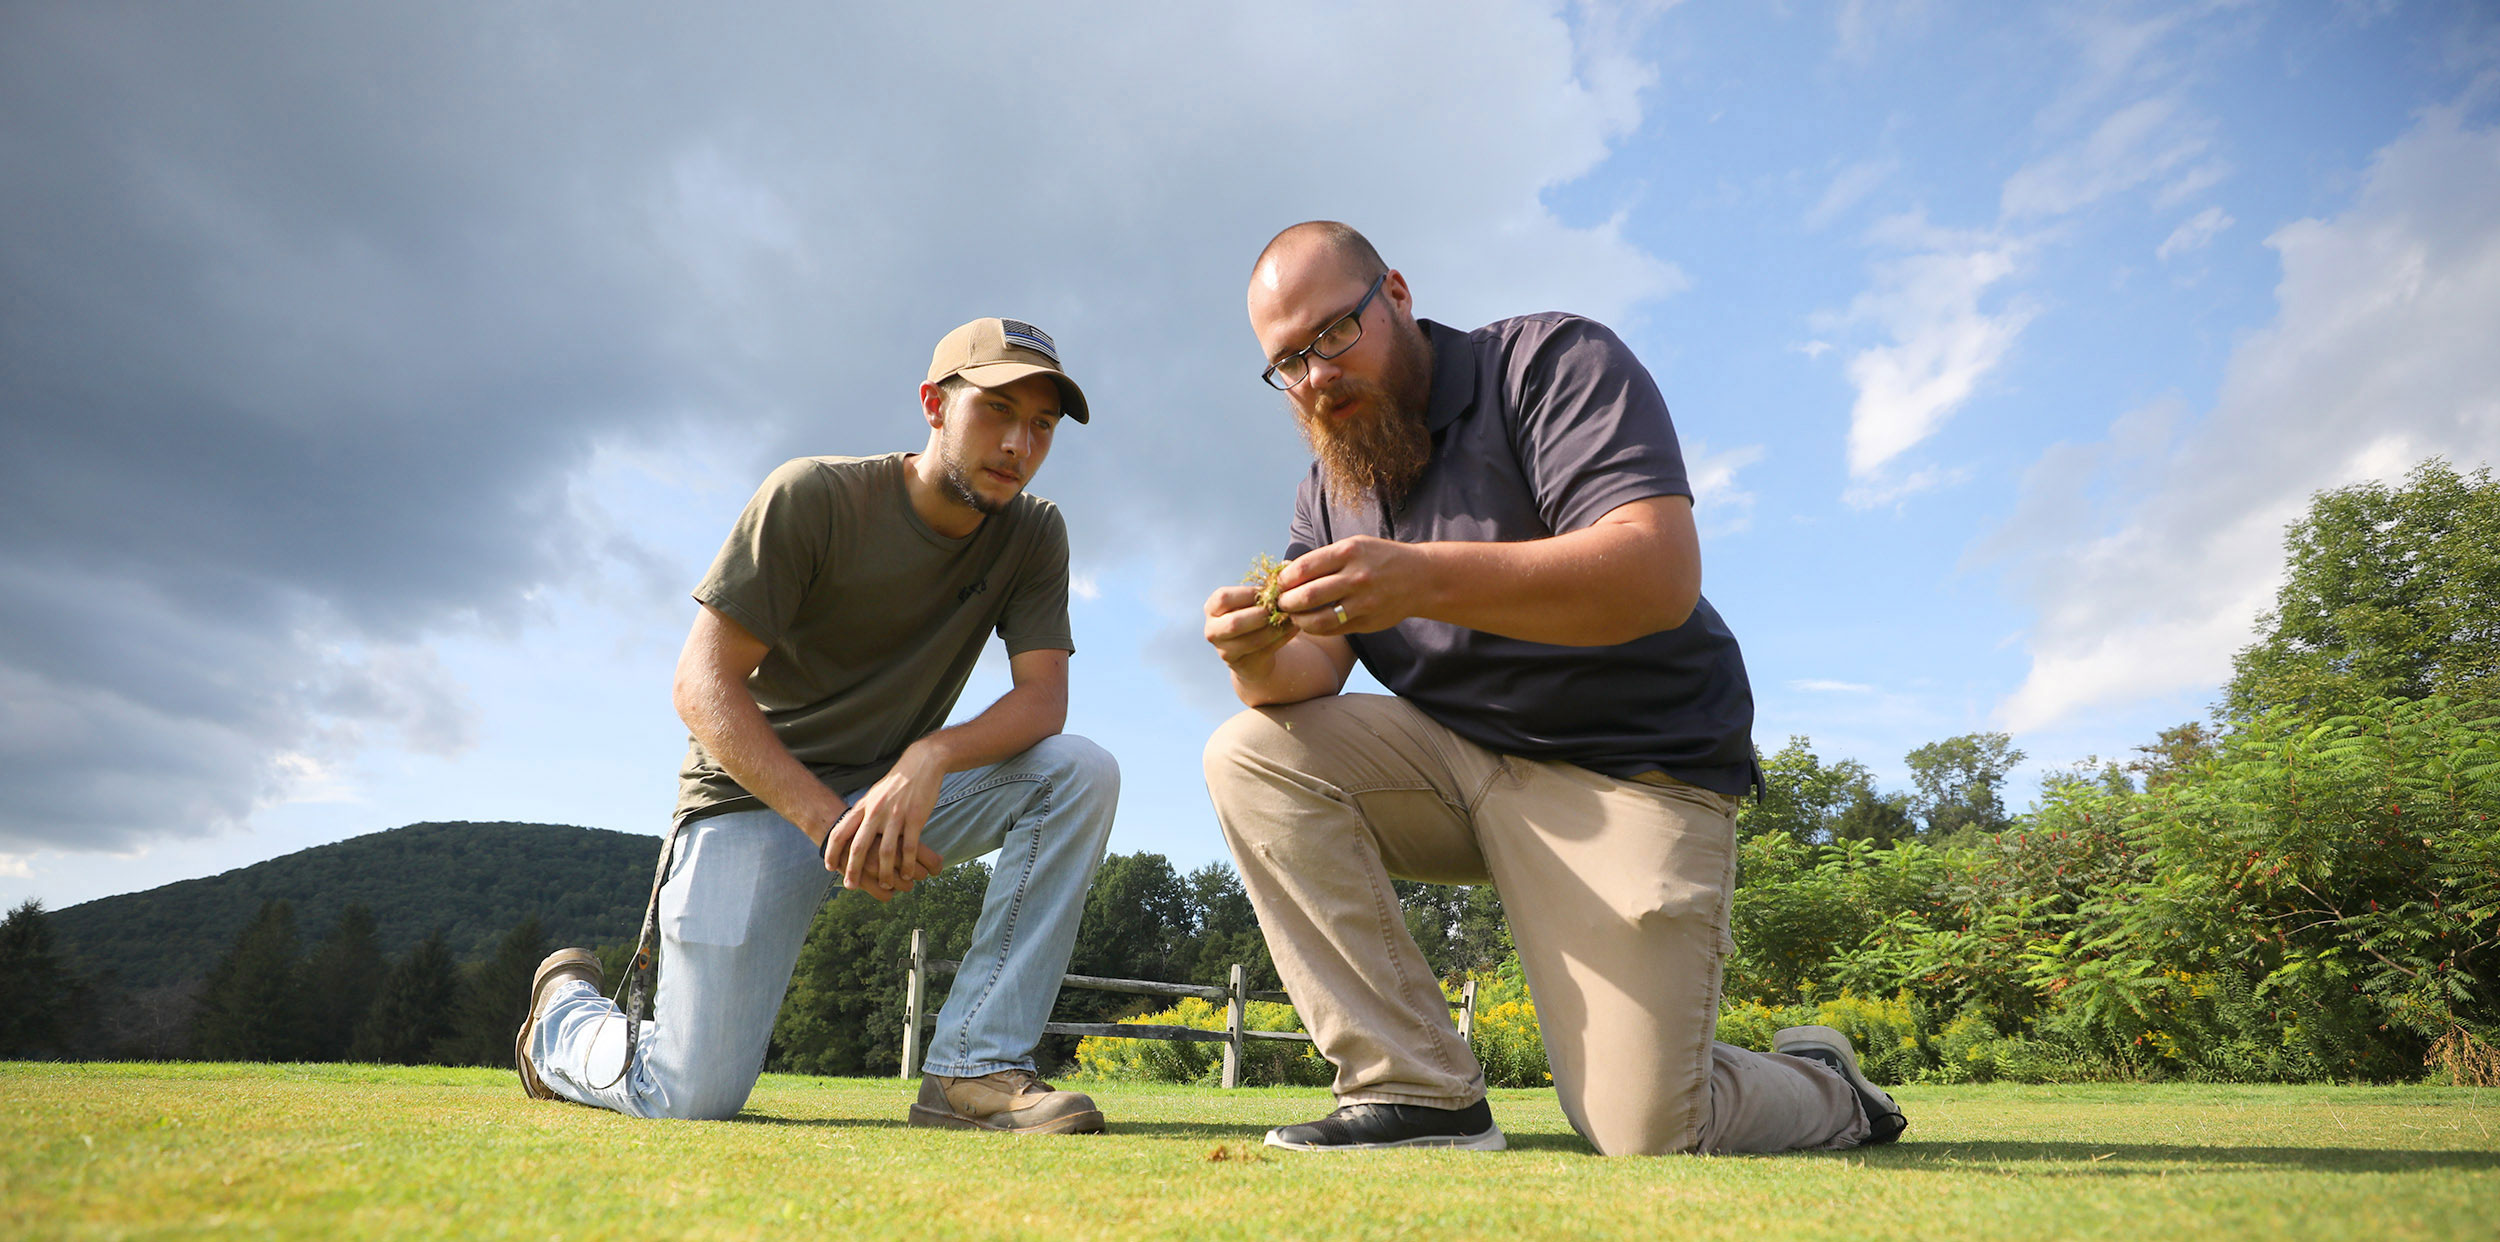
(1018, 332)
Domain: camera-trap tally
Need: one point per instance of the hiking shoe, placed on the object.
(1831, 1049)
(560, 965)
(1011, 1101)
(1374, 1127)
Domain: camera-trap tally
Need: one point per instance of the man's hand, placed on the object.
(1237, 627)
(1634, 571)
(1375, 582)
(876, 844)
(1272, 663)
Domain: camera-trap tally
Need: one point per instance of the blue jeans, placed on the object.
(735, 910)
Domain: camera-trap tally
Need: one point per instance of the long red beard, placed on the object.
(1381, 449)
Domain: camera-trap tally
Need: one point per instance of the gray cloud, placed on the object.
(309, 313)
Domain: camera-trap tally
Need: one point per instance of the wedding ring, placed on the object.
(1341, 614)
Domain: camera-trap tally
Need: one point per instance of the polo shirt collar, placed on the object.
(1453, 375)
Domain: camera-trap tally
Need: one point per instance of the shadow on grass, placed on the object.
(2009, 1159)
(1571, 1143)
(2098, 1159)
(1194, 1131)
(2154, 1159)
(753, 1118)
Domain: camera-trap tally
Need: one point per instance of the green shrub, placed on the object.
(2348, 870)
(1969, 1047)
(1890, 1049)
(1507, 1040)
(2304, 898)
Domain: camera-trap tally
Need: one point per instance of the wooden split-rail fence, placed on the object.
(917, 1013)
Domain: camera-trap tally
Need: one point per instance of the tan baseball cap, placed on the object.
(995, 352)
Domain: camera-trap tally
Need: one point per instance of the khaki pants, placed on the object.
(1617, 892)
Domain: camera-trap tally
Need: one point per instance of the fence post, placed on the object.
(915, 991)
(1233, 1016)
(1467, 1013)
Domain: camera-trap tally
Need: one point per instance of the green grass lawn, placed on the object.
(327, 1151)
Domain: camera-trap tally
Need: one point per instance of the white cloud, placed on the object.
(303, 778)
(1947, 324)
(2147, 556)
(1084, 587)
(1720, 506)
(2112, 54)
(1816, 685)
(2138, 143)
(1860, 25)
(1941, 342)
(1943, 301)
(2199, 177)
(1850, 187)
(2197, 232)
(1892, 487)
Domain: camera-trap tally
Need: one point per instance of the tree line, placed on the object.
(271, 996)
(470, 881)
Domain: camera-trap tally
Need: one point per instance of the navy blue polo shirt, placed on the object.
(1540, 426)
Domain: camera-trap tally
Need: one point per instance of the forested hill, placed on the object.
(474, 881)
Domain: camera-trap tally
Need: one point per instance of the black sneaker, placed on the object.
(1831, 1049)
(1372, 1127)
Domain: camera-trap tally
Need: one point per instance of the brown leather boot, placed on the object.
(561, 964)
(1011, 1101)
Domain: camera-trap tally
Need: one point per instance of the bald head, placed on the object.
(1344, 252)
(1309, 275)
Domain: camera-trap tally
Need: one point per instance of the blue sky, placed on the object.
(382, 378)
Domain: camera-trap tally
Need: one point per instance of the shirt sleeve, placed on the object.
(774, 552)
(1592, 431)
(1036, 616)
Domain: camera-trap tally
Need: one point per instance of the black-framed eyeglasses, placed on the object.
(1332, 340)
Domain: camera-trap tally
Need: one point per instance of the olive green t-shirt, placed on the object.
(871, 619)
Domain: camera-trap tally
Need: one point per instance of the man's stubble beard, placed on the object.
(957, 479)
(1380, 451)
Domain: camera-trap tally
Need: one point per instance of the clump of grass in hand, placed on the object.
(1267, 573)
